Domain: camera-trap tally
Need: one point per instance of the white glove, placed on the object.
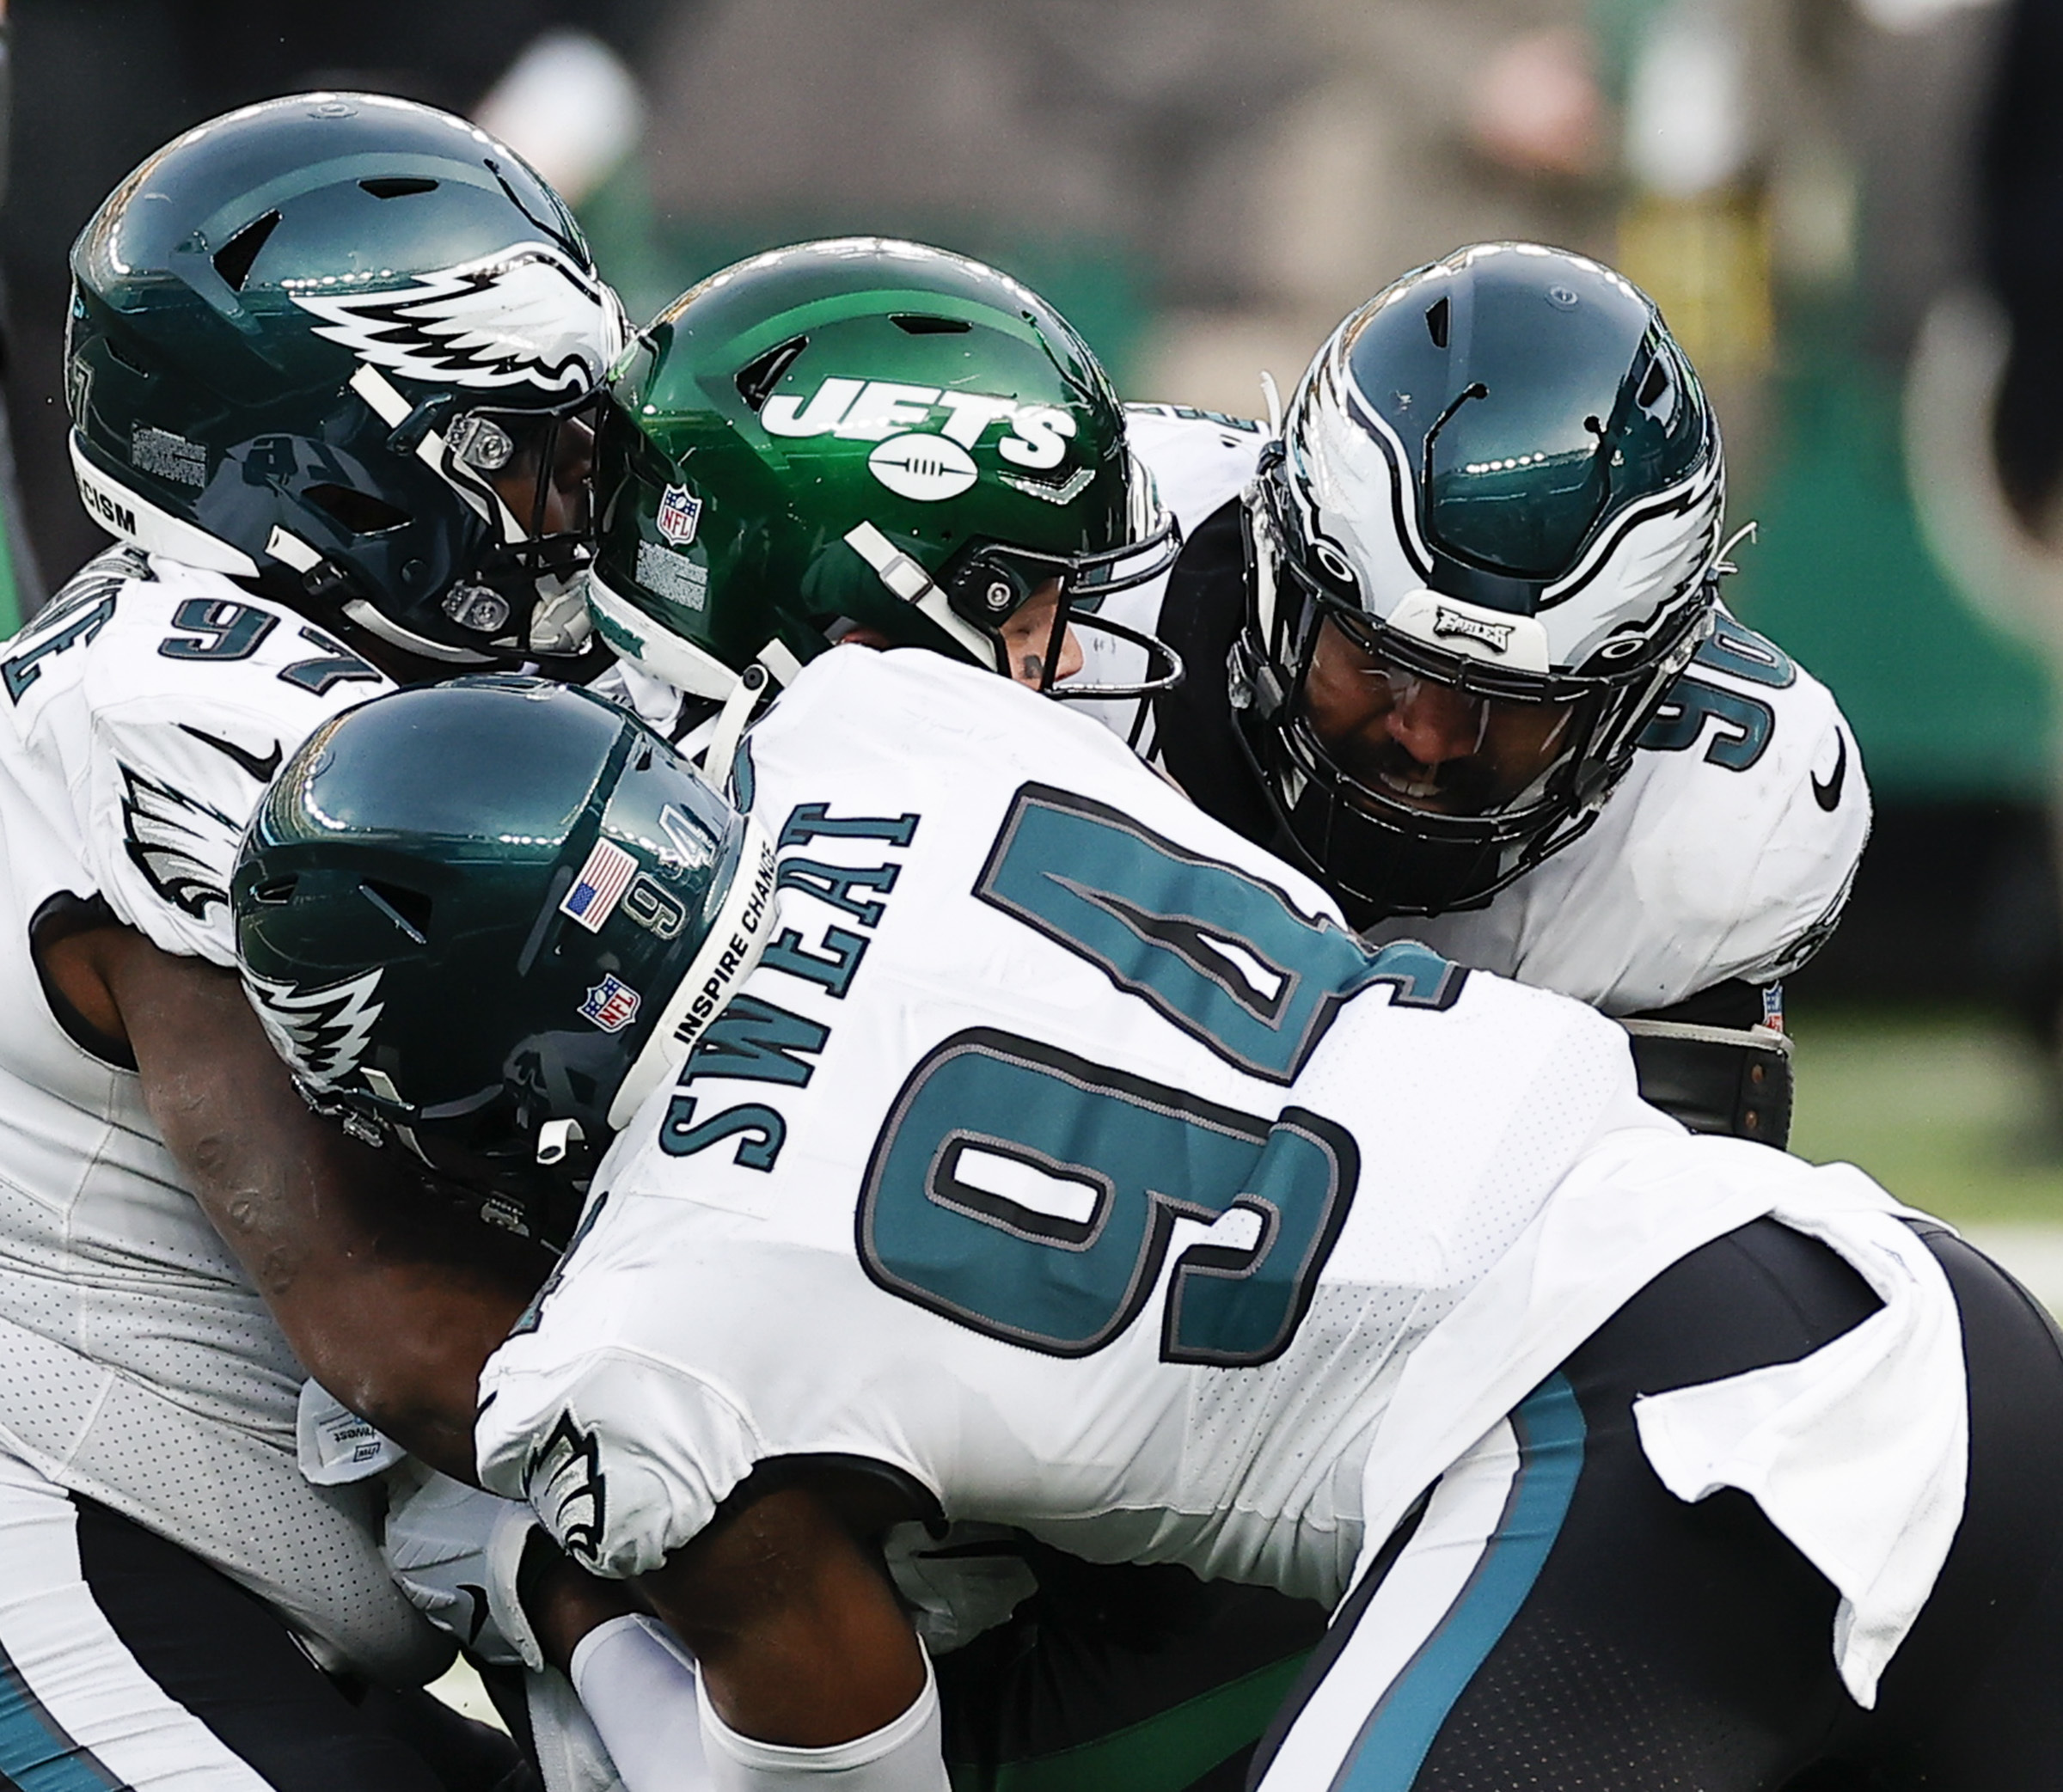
(956, 1587)
(455, 1550)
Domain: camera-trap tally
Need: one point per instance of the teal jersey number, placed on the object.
(1223, 956)
(1229, 960)
(1743, 726)
(1135, 1157)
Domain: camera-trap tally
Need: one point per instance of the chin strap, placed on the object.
(916, 587)
(731, 719)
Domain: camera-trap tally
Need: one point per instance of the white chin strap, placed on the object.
(735, 940)
(911, 582)
(393, 409)
(731, 719)
(634, 635)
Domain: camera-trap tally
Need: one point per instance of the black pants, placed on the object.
(125, 1660)
(1122, 1679)
(1663, 1645)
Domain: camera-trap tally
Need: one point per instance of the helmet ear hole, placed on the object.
(234, 259)
(360, 512)
(757, 378)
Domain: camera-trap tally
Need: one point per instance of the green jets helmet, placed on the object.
(1482, 551)
(482, 920)
(859, 433)
(349, 348)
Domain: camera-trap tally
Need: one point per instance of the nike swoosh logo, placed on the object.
(261, 768)
(1828, 795)
(478, 1595)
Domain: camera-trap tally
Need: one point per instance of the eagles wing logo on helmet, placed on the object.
(526, 316)
(322, 1033)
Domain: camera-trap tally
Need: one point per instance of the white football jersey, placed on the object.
(1007, 1170)
(144, 710)
(1727, 851)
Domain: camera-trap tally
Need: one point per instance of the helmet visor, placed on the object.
(1406, 739)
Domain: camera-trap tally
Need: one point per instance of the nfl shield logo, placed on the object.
(612, 1005)
(678, 514)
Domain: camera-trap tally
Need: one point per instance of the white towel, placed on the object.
(1859, 1453)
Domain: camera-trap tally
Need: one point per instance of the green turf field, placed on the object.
(1952, 1113)
(1949, 1111)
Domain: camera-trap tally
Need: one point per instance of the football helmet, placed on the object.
(482, 920)
(866, 433)
(348, 347)
(1484, 546)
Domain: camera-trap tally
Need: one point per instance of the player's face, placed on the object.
(545, 483)
(1422, 743)
(1028, 635)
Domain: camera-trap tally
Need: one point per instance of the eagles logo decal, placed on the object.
(563, 1482)
(323, 1032)
(181, 845)
(523, 317)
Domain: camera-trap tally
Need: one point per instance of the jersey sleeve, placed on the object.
(168, 730)
(623, 1460)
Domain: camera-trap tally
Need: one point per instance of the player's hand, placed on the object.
(455, 1552)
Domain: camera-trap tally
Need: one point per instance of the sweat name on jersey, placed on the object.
(756, 1040)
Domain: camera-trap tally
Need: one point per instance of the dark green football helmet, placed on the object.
(860, 432)
(1484, 548)
(485, 920)
(348, 347)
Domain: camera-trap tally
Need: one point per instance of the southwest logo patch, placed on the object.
(600, 885)
(612, 1004)
(678, 515)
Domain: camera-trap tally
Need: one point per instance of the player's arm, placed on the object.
(807, 1658)
(1714, 1062)
(806, 1662)
(395, 1327)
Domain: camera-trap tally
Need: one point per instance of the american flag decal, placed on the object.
(600, 885)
